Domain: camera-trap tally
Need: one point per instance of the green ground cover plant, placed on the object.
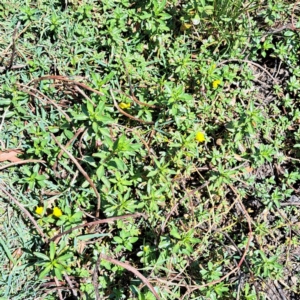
(149, 149)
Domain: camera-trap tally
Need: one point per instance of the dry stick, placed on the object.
(80, 142)
(250, 236)
(125, 113)
(240, 252)
(58, 290)
(23, 88)
(67, 145)
(131, 89)
(82, 172)
(80, 91)
(290, 203)
(13, 46)
(68, 80)
(143, 141)
(133, 270)
(21, 162)
(293, 22)
(15, 67)
(175, 206)
(68, 280)
(95, 278)
(249, 62)
(135, 99)
(26, 212)
(109, 220)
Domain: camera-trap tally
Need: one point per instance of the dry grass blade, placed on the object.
(86, 176)
(133, 270)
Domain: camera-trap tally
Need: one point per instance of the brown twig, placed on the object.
(175, 206)
(80, 91)
(95, 278)
(104, 221)
(24, 87)
(86, 176)
(133, 270)
(26, 212)
(80, 130)
(290, 204)
(15, 67)
(58, 290)
(21, 162)
(68, 81)
(131, 89)
(293, 11)
(125, 113)
(80, 142)
(250, 236)
(13, 50)
(68, 280)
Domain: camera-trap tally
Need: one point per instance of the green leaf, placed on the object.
(65, 257)
(100, 172)
(45, 271)
(91, 236)
(174, 232)
(41, 255)
(58, 274)
(90, 160)
(118, 240)
(52, 250)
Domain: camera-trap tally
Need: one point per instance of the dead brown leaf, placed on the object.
(10, 155)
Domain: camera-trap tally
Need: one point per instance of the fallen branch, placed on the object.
(133, 270)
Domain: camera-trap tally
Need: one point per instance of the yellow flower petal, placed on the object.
(185, 26)
(39, 210)
(216, 83)
(200, 137)
(57, 212)
(124, 105)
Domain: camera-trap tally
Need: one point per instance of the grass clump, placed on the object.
(150, 150)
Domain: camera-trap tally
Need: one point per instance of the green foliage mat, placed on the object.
(149, 149)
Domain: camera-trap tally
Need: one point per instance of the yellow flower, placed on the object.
(216, 83)
(39, 210)
(124, 105)
(200, 137)
(185, 26)
(57, 212)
